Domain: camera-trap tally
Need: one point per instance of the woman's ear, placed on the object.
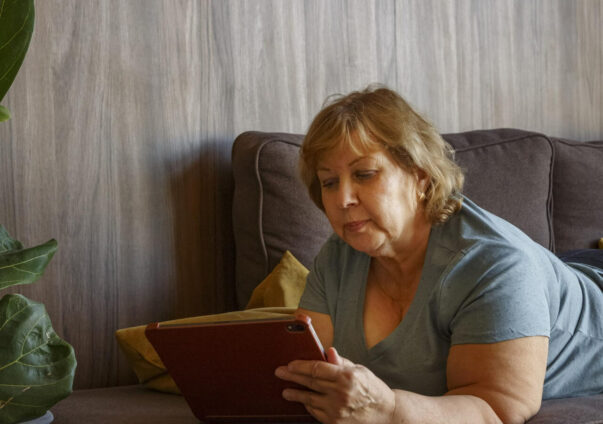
(422, 180)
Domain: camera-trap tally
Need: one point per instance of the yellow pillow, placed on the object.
(283, 286)
(276, 296)
(601, 243)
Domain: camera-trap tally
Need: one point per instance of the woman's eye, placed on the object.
(365, 175)
(328, 183)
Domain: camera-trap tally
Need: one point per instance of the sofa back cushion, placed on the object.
(507, 171)
(272, 211)
(578, 194)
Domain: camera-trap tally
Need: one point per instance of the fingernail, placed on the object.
(279, 372)
(286, 394)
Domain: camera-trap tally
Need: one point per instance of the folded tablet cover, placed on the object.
(226, 370)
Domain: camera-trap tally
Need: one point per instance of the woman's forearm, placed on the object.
(344, 392)
(413, 408)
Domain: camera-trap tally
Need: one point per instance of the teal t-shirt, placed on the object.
(483, 281)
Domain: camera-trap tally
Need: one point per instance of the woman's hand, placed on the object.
(340, 391)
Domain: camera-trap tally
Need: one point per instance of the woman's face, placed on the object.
(370, 201)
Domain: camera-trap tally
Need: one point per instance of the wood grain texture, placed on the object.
(125, 113)
(485, 64)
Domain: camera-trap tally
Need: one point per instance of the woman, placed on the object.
(439, 310)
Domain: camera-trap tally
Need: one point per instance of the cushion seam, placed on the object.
(594, 144)
(497, 142)
(260, 219)
(260, 222)
(550, 206)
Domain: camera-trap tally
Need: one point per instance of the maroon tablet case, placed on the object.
(225, 370)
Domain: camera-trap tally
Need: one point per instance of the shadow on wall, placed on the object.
(201, 189)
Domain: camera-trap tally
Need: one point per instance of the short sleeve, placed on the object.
(494, 294)
(314, 297)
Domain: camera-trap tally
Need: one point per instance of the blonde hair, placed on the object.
(380, 117)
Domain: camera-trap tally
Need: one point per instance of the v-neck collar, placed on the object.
(419, 300)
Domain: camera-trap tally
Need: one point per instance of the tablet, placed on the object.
(225, 370)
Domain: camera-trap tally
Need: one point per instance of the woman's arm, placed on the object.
(508, 375)
(487, 383)
(497, 382)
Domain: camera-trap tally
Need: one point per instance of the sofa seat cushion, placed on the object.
(586, 410)
(124, 404)
(577, 187)
(505, 168)
(135, 405)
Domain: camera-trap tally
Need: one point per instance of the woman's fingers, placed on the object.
(314, 402)
(319, 414)
(317, 404)
(338, 389)
(309, 380)
(319, 376)
(334, 358)
(316, 369)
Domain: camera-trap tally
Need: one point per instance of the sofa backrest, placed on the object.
(518, 175)
(272, 211)
(577, 194)
(508, 172)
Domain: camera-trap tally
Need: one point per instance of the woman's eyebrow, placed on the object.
(358, 159)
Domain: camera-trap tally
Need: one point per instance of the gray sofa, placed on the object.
(550, 188)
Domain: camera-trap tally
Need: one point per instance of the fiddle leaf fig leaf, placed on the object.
(7, 243)
(16, 29)
(19, 265)
(36, 367)
(4, 114)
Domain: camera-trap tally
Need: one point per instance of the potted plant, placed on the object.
(36, 366)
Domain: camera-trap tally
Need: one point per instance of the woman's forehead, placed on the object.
(349, 154)
(361, 145)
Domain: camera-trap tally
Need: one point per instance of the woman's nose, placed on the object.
(347, 195)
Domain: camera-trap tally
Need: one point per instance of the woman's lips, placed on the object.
(355, 226)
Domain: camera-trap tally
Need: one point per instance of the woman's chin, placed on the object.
(364, 244)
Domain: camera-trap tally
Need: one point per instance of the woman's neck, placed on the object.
(403, 269)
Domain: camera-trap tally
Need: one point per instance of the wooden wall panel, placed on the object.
(484, 64)
(125, 113)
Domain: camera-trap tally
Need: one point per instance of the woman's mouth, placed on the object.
(355, 226)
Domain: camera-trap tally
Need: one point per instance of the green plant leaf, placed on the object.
(36, 367)
(4, 114)
(19, 265)
(16, 29)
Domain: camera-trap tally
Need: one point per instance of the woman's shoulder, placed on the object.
(475, 228)
(482, 247)
(494, 275)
